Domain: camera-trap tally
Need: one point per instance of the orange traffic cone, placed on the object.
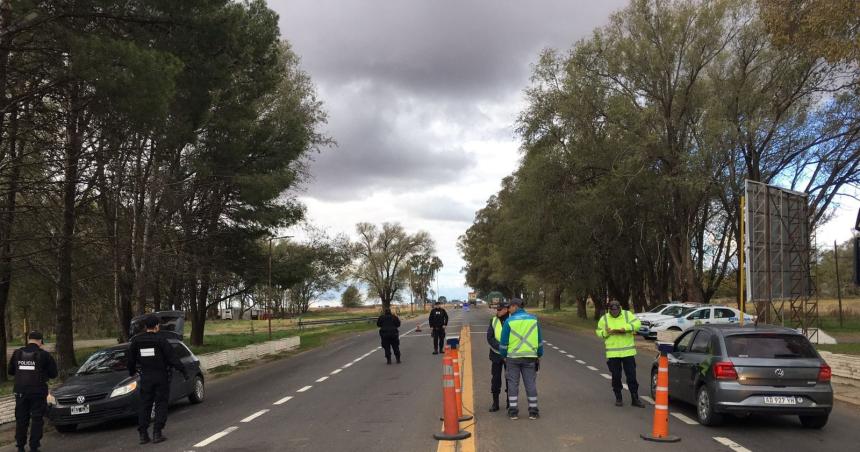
(458, 385)
(660, 431)
(451, 431)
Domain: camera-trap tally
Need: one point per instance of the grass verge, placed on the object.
(847, 348)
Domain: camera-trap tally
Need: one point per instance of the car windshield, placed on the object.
(769, 346)
(658, 308)
(674, 310)
(683, 311)
(104, 361)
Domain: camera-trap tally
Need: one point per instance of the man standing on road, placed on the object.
(437, 321)
(32, 367)
(494, 335)
(388, 324)
(618, 330)
(155, 356)
(522, 346)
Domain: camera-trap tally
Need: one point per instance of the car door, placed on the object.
(725, 316)
(694, 364)
(179, 387)
(677, 362)
(698, 317)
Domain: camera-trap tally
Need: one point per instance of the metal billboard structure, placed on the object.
(778, 257)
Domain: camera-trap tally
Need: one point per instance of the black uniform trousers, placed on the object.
(628, 364)
(389, 342)
(497, 369)
(156, 391)
(29, 412)
(438, 339)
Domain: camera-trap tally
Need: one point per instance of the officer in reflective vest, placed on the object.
(32, 367)
(618, 330)
(155, 356)
(522, 346)
(494, 336)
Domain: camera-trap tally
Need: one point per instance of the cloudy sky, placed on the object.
(422, 96)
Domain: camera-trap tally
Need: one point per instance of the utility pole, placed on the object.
(838, 282)
(269, 291)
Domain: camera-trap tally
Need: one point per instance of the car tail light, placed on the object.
(824, 373)
(725, 370)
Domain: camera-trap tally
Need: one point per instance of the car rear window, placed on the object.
(778, 346)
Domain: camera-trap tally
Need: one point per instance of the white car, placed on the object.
(713, 315)
(664, 310)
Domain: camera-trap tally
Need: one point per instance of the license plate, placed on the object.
(80, 409)
(780, 400)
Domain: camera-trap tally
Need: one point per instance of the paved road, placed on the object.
(343, 397)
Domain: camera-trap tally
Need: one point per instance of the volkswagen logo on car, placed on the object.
(81, 399)
(779, 373)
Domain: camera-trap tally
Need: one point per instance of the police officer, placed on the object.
(155, 356)
(494, 335)
(618, 329)
(437, 321)
(522, 346)
(32, 368)
(388, 324)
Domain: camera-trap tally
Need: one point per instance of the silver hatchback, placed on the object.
(755, 369)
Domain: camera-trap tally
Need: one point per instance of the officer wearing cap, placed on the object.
(521, 346)
(618, 329)
(494, 335)
(154, 355)
(32, 368)
(437, 321)
(388, 324)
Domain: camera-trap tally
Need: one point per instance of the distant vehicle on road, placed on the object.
(728, 369)
(690, 317)
(101, 389)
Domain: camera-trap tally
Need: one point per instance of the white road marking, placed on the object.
(304, 389)
(580, 361)
(322, 379)
(336, 371)
(358, 359)
(684, 419)
(216, 437)
(647, 399)
(592, 368)
(571, 356)
(562, 351)
(624, 385)
(606, 376)
(346, 365)
(254, 416)
(284, 400)
(731, 444)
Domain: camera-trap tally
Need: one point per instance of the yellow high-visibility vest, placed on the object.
(619, 345)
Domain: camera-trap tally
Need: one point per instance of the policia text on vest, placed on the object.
(618, 329)
(32, 368)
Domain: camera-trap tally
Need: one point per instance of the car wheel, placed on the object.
(814, 421)
(199, 391)
(66, 428)
(674, 328)
(705, 408)
(654, 384)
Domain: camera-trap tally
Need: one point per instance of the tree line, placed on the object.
(636, 143)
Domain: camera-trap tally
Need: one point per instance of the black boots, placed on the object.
(157, 437)
(387, 360)
(495, 406)
(144, 437)
(398, 359)
(637, 402)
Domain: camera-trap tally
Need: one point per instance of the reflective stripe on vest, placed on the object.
(523, 344)
(497, 332)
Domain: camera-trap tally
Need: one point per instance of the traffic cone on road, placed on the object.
(418, 327)
(451, 431)
(458, 385)
(660, 431)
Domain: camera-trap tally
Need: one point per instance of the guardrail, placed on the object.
(305, 323)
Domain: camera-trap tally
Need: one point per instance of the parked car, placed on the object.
(690, 317)
(101, 389)
(661, 312)
(726, 369)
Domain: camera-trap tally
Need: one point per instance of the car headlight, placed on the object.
(51, 399)
(123, 390)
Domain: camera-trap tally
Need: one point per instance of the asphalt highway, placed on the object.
(343, 397)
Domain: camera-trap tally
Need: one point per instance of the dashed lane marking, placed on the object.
(216, 437)
(592, 368)
(346, 365)
(580, 361)
(304, 389)
(731, 444)
(606, 376)
(571, 356)
(647, 399)
(336, 371)
(684, 419)
(562, 352)
(322, 379)
(254, 416)
(284, 400)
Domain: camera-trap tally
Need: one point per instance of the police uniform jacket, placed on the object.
(388, 324)
(492, 340)
(438, 318)
(154, 355)
(32, 368)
